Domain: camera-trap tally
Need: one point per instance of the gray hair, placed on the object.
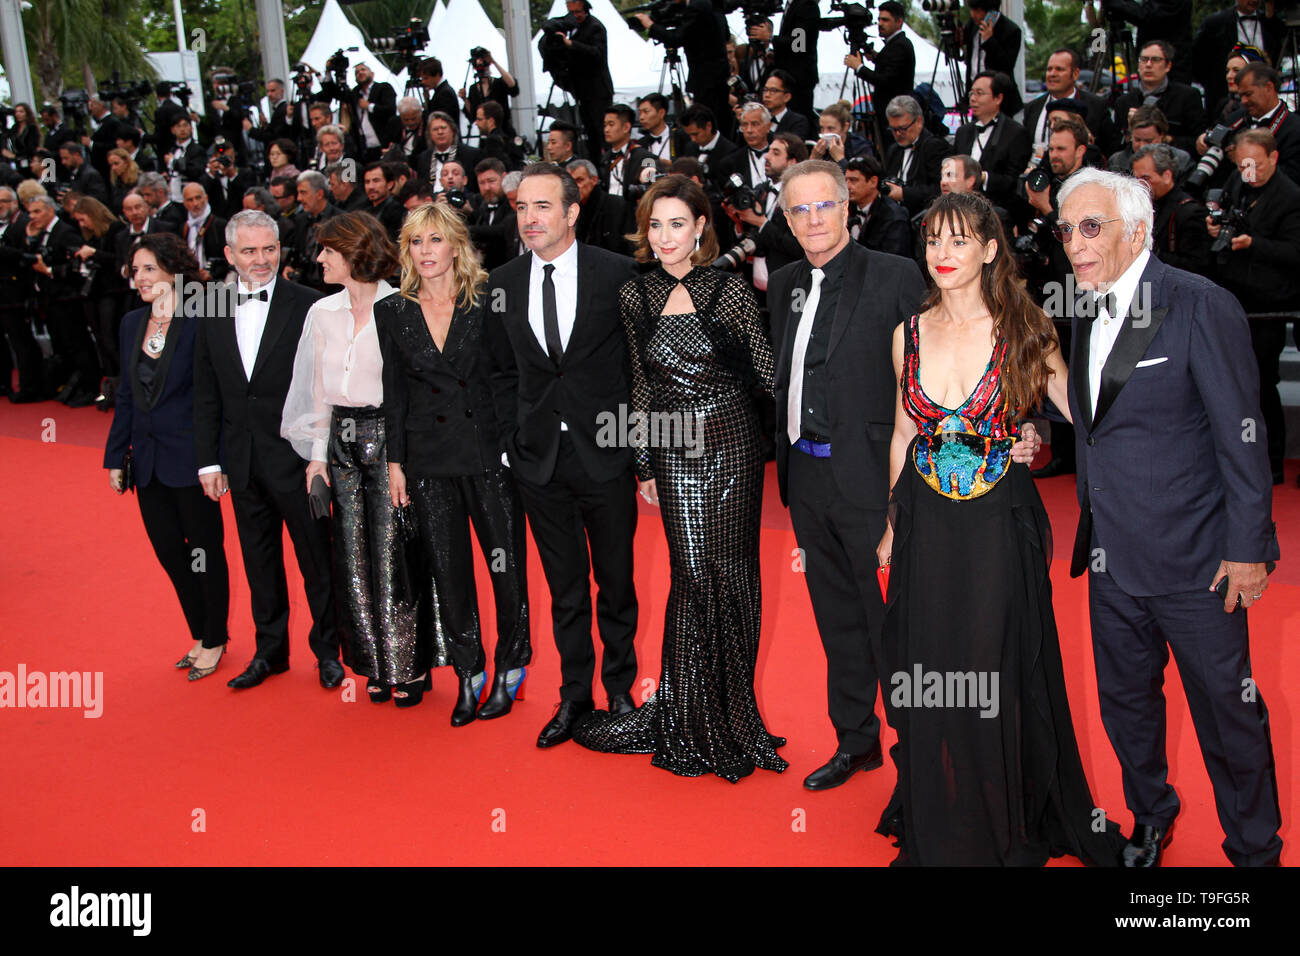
(151, 181)
(903, 105)
(807, 168)
(1132, 198)
(6, 189)
(249, 219)
(407, 104)
(314, 180)
(586, 164)
(756, 108)
(329, 129)
(45, 200)
(263, 197)
(512, 180)
(1161, 156)
(337, 169)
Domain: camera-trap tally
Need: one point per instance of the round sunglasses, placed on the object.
(1089, 228)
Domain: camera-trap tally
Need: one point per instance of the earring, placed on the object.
(697, 242)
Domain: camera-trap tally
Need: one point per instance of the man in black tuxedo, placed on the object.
(587, 46)
(1260, 266)
(313, 197)
(493, 225)
(753, 65)
(994, 140)
(1244, 23)
(701, 33)
(276, 125)
(205, 234)
(135, 210)
(1262, 109)
(664, 142)
(1180, 103)
(604, 219)
(833, 318)
(894, 72)
(373, 105)
(778, 96)
(1179, 235)
(242, 367)
(186, 159)
(794, 50)
(82, 177)
(404, 134)
(170, 215)
(992, 44)
(557, 361)
(624, 168)
(1061, 80)
(494, 140)
(443, 148)
(1167, 20)
(713, 150)
(439, 97)
(875, 220)
(1174, 497)
(914, 161)
(225, 184)
(169, 110)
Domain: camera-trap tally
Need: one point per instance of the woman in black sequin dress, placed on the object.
(697, 347)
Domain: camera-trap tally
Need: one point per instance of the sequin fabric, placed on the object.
(379, 626)
(960, 452)
(691, 379)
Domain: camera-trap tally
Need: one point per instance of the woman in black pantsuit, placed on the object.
(443, 453)
(154, 421)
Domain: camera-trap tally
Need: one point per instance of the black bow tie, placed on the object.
(757, 153)
(260, 295)
(1092, 306)
(443, 157)
(1249, 16)
(981, 127)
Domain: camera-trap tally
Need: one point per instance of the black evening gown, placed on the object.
(989, 774)
(691, 378)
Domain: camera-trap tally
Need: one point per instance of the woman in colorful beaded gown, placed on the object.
(697, 347)
(989, 771)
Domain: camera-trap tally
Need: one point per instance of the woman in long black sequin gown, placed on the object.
(989, 772)
(697, 348)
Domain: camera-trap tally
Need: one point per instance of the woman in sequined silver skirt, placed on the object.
(697, 348)
(332, 416)
(444, 455)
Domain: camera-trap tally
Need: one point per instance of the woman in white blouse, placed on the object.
(332, 416)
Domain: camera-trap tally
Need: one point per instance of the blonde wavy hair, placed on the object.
(468, 268)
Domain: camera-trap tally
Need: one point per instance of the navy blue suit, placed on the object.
(1173, 477)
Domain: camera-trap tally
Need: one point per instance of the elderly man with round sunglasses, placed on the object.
(1175, 527)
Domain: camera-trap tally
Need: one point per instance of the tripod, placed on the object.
(950, 50)
(1119, 39)
(672, 74)
(1291, 48)
(867, 121)
(565, 111)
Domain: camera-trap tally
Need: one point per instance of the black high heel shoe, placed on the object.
(413, 691)
(504, 694)
(466, 708)
(379, 693)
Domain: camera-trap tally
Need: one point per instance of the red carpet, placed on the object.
(175, 773)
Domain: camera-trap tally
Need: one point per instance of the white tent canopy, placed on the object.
(634, 62)
(334, 31)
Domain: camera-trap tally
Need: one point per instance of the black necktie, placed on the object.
(259, 295)
(551, 316)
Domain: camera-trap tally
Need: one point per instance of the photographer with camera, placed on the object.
(488, 87)
(223, 182)
(700, 30)
(752, 68)
(373, 105)
(454, 180)
(875, 220)
(1181, 104)
(171, 107)
(994, 140)
(794, 50)
(625, 169)
(575, 51)
(205, 234)
(81, 177)
(894, 72)
(104, 130)
(714, 151)
(1255, 225)
(186, 160)
(1244, 24)
(992, 44)
(1156, 20)
(765, 232)
(1178, 233)
(663, 141)
(1258, 85)
(913, 161)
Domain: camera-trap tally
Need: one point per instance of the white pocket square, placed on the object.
(1155, 361)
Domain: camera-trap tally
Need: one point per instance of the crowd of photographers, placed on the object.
(1221, 157)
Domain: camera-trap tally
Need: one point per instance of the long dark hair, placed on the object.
(1017, 319)
(689, 192)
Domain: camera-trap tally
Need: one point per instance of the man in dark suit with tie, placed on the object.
(557, 362)
(242, 367)
(1263, 109)
(587, 46)
(994, 140)
(833, 317)
(443, 148)
(992, 43)
(875, 220)
(794, 50)
(778, 96)
(624, 168)
(439, 97)
(170, 215)
(713, 149)
(373, 105)
(492, 224)
(914, 161)
(1174, 498)
(1180, 103)
(1244, 23)
(1061, 82)
(894, 72)
(135, 210)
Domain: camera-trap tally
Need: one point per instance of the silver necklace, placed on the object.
(154, 344)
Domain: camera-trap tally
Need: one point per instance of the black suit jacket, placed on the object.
(638, 158)
(605, 220)
(172, 216)
(717, 161)
(383, 108)
(390, 213)
(192, 164)
(794, 47)
(1181, 105)
(894, 72)
(123, 242)
(1287, 135)
(443, 99)
(792, 122)
(589, 62)
(437, 404)
(702, 35)
(395, 138)
(1167, 488)
(88, 182)
(1215, 40)
(1005, 156)
(1169, 20)
(168, 112)
(232, 202)
(1000, 50)
(467, 156)
(214, 244)
(498, 240)
(879, 292)
(1178, 233)
(241, 415)
(888, 229)
(1267, 275)
(533, 395)
(159, 430)
(922, 183)
(1098, 119)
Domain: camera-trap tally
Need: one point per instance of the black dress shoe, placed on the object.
(499, 701)
(566, 718)
(1057, 466)
(466, 708)
(840, 767)
(257, 671)
(1144, 846)
(331, 674)
(621, 704)
(27, 396)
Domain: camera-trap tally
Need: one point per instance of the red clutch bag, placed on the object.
(882, 575)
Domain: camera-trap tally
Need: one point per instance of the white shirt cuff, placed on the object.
(319, 447)
(210, 470)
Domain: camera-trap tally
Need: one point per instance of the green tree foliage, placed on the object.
(71, 43)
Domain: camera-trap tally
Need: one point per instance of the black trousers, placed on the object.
(583, 526)
(187, 534)
(70, 339)
(261, 515)
(1268, 338)
(104, 318)
(838, 538)
(27, 356)
(445, 507)
(1131, 640)
(591, 110)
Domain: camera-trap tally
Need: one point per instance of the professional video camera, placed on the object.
(1231, 221)
(1217, 141)
(481, 59)
(337, 65)
(163, 89)
(408, 40)
(854, 19)
(666, 13)
(754, 11)
(555, 55)
(130, 93)
(238, 94)
(944, 14)
(74, 103)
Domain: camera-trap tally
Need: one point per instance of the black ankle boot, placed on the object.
(466, 704)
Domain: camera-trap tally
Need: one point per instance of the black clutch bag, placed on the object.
(409, 569)
(128, 472)
(318, 499)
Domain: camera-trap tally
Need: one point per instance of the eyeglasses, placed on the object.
(1151, 59)
(1089, 228)
(904, 128)
(803, 209)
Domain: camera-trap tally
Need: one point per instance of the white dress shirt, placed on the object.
(1106, 327)
(658, 145)
(565, 278)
